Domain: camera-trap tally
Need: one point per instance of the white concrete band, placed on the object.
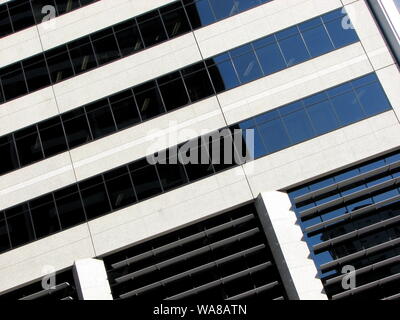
(292, 256)
(91, 280)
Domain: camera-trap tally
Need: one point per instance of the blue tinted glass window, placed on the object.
(364, 80)
(347, 108)
(223, 9)
(271, 58)
(293, 47)
(373, 99)
(224, 76)
(299, 126)
(274, 135)
(258, 148)
(323, 117)
(199, 12)
(341, 33)
(317, 41)
(246, 64)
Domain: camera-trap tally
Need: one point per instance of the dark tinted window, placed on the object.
(28, 145)
(8, 160)
(175, 20)
(197, 82)
(4, 240)
(173, 91)
(151, 28)
(171, 175)
(76, 127)
(124, 108)
(128, 37)
(52, 137)
(120, 188)
(5, 22)
(36, 73)
(59, 63)
(19, 225)
(13, 81)
(82, 55)
(100, 118)
(105, 46)
(69, 207)
(94, 197)
(145, 179)
(44, 216)
(21, 13)
(149, 100)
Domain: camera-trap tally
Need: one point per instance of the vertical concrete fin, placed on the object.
(91, 280)
(291, 253)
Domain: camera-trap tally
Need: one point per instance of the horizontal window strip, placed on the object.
(113, 43)
(191, 84)
(18, 15)
(351, 218)
(126, 185)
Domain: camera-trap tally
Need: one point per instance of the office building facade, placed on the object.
(195, 149)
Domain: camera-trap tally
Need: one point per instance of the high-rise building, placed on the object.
(184, 149)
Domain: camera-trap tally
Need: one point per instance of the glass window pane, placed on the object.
(175, 20)
(19, 225)
(52, 137)
(37, 9)
(105, 46)
(70, 207)
(271, 58)
(145, 179)
(274, 135)
(299, 126)
(323, 117)
(199, 12)
(8, 159)
(28, 145)
(293, 49)
(247, 67)
(347, 108)
(197, 82)
(21, 15)
(64, 6)
(224, 9)
(59, 63)
(76, 128)
(223, 75)
(36, 73)
(173, 91)
(151, 28)
(171, 175)
(100, 118)
(317, 41)
(4, 241)
(196, 160)
(82, 55)
(128, 37)
(119, 187)
(341, 37)
(44, 216)
(94, 197)
(124, 108)
(373, 99)
(13, 81)
(5, 23)
(149, 100)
